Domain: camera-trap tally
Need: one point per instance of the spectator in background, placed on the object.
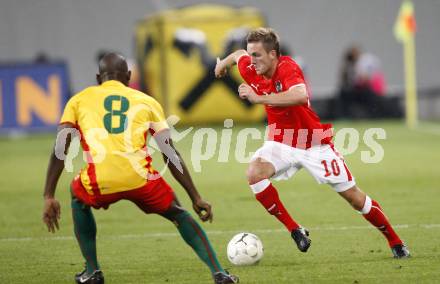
(369, 75)
(362, 85)
(41, 58)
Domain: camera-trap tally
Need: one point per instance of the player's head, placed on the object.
(263, 45)
(113, 66)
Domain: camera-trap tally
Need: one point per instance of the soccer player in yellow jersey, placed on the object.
(113, 122)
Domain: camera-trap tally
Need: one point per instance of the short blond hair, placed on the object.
(267, 36)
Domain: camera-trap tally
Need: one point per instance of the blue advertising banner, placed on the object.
(32, 96)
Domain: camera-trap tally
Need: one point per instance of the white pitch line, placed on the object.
(428, 131)
(429, 128)
(429, 226)
(226, 232)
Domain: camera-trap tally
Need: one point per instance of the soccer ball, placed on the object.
(245, 249)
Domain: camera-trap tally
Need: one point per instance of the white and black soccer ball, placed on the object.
(245, 249)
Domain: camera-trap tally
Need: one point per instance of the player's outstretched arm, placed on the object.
(221, 68)
(180, 172)
(296, 95)
(52, 208)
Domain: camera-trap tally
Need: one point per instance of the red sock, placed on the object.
(269, 198)
(378, 219)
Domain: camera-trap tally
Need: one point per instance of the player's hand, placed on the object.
(51, 214)
(246, 92)
(203, 209)
(220, 69)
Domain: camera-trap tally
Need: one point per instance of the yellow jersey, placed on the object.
(114, 121)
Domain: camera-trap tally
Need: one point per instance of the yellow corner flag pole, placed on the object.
(410, 83)
(404, 30)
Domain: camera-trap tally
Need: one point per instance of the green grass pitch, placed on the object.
(136, 248)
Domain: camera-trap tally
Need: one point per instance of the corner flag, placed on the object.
(404, 30)
(405, 25)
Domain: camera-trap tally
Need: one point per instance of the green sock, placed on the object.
(195, 237)
(85, 232)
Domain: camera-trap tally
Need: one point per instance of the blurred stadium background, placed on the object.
(318, 33)
(49, 50)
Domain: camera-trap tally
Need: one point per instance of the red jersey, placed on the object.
(291, 125)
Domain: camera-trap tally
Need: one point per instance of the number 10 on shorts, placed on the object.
(334, 168)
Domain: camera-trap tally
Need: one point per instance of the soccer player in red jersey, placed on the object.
(296, 138)
(119, 167)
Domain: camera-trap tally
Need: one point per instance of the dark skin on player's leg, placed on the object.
(174, 210)
(114, 67)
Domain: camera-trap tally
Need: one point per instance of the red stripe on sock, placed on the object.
(270, 200)
(378, 219)
(204, 241)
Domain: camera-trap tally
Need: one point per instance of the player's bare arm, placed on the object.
(296, 95)
(52, 208)
(221, 68)
(180, 172)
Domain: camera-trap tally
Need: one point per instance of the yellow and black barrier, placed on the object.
(177, 51)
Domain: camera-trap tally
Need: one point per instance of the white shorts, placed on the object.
(323, 162)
